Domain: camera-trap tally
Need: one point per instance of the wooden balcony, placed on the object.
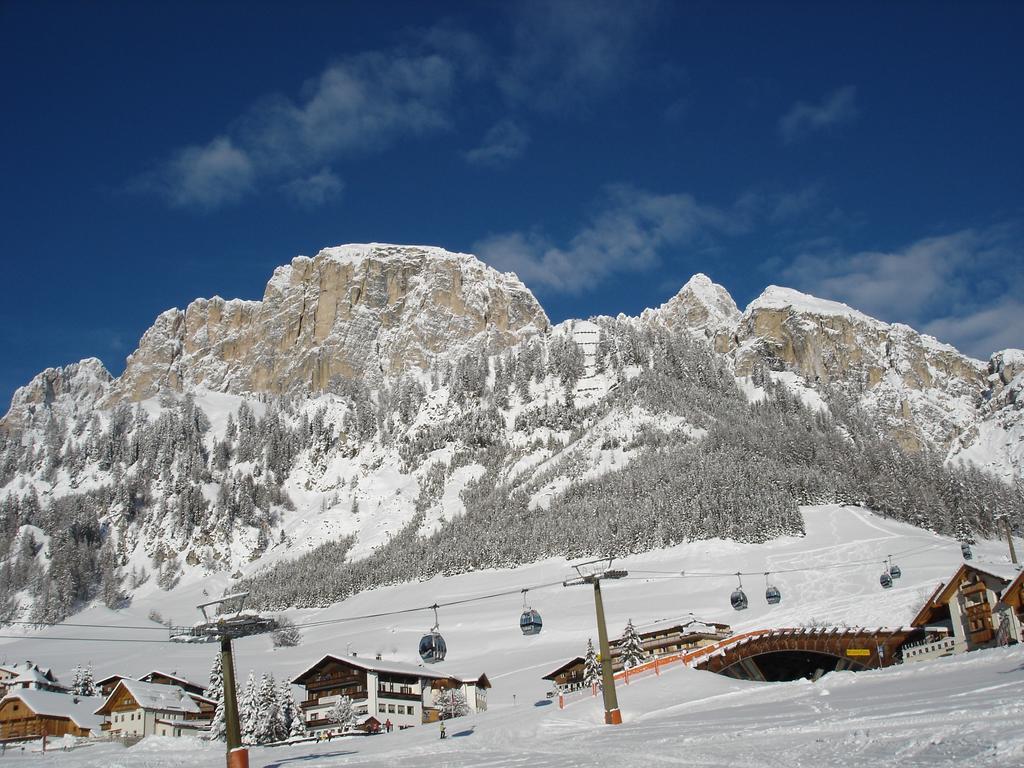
(356, 694)
(396, 696)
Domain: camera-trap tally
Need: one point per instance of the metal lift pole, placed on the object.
(612, 715)
(1009, 538)
(232, 731)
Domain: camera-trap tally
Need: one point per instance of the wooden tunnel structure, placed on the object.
(790, 654)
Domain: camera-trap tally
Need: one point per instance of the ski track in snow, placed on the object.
(958, 711)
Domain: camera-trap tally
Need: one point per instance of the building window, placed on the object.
(391, 708)
(381, 708)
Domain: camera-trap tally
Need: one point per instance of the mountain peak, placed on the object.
(779, 297)
(701, 306)
(351, 311)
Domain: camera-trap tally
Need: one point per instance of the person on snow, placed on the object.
(443, 734)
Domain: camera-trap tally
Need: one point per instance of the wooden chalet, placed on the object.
(107, 684)
(969, 612)
(135, 708)
(386, 690)
(569, 676)
(29, 676)
(163, 678)
(29, 713)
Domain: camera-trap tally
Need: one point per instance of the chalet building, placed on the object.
(28, 713)
(29, 676)
(977, 608)
(383, 690)
(1013, 598)
(107, 684)
(135, 708)
(660, 639)
(474, 689)
(163, 678)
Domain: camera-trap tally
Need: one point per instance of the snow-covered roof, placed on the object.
(79, 709)
(33, 675)
(685, 623)
(153, 696)
(22, 667)
(148, 677)
(377, 665)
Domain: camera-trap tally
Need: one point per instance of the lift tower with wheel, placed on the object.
(228, 625)
(593, 572)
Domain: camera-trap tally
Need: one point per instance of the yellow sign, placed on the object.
(858, 652)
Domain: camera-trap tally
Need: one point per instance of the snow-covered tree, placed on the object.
(591, 667)
(248, 714)
(451, 702)
(215, 691)
(286, 635)
(268, 727)
(633, 652)
(292, 723)
(342, 713)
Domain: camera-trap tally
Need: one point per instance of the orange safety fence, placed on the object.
(659, 663)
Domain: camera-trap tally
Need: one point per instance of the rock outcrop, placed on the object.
(69, 392)
(354, 311)
(923, 392)
(701, 307)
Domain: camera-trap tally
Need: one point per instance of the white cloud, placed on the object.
(962, 287)
(629, 233)
(314, 190)
(569, 51)
(208, 176)
(985, 330)
(838, 107)
(362, 103)
(504, 142)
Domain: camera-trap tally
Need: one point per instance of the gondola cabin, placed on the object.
(530, 622)
(432, 648)
(738, 599)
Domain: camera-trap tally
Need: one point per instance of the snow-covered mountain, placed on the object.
(385, 412)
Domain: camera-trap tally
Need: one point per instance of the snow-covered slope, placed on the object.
(957, 711)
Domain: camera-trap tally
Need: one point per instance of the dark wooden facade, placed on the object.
(18, 721)
(333, 678)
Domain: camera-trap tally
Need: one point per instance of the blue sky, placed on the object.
(154, 153)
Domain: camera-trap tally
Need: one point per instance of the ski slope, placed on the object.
(964, 710)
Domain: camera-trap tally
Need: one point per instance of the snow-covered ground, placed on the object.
(960, 711)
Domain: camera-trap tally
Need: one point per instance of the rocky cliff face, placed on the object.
(67, 392)
(372, 311)
(923, 392)
(354, 311)
(701, 307)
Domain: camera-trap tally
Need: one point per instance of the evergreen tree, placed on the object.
(86, 686)
(632, 647)
(215, 691)
(451, 703)
(292, 723)
(267, 709)
(342, 713)
(248, 714)
(591, 667)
